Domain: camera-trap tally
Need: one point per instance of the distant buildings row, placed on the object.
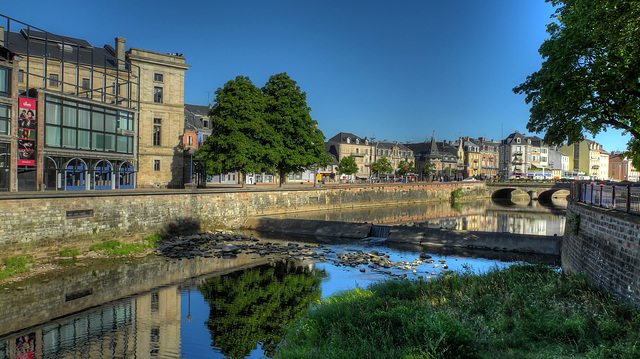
(78, 117)
(516, 157)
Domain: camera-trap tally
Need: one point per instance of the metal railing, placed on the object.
(624, 197)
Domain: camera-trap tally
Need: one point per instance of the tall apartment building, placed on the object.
(524, 157)
(85, 118)
(589, 158)
(346, 144)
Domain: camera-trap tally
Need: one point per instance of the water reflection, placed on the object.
(254, 306)
(237, 314)
(520, 216)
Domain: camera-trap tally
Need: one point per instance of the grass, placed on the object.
(15, 265)
(117, 248)
(67, 252)
(523, 311)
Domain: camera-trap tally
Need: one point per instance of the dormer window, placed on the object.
(517, 140)
(357, 141)
(348, 140)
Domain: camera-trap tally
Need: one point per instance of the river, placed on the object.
(207, 308)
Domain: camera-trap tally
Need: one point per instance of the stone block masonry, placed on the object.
(52, 217)
(604, 244)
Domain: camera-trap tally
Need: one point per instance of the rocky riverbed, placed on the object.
(221, 245)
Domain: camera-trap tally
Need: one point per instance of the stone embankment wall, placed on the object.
(47, 218)
(604, 244)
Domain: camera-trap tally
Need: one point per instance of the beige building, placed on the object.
(161, 120)
(396, 153)
(346, 144)
(83, 117)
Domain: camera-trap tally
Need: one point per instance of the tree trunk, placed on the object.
(241, 178)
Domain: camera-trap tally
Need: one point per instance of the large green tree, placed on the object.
(242, 140)
(301, 143)
(348, 166)
(589, 80)
(381, 165)
(405, 168)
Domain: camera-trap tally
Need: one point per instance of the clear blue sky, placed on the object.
(394, 70)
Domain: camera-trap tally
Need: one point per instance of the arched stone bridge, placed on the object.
(535, 191)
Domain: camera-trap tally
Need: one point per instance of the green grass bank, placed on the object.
(524, 311)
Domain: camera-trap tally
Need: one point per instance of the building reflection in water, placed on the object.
(248, 308)
(144, 326)
(521, 217)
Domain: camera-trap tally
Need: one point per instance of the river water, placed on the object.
(205, 308)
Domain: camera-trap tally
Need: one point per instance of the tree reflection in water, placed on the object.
(256, 305)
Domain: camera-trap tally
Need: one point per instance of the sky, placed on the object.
(389, 70)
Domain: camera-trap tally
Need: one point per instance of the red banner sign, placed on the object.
(26, 131)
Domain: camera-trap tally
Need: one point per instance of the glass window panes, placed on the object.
(110, 122)
(109, 142)
(69, 116)
(97, 141)
(122, 144)
(97, 123)
(4, 81)
(84, 139)
(52, 136)
(84, 118)
(69, 137)
(53, 113)
(5, 116)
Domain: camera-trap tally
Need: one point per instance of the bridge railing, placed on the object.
(620, 197)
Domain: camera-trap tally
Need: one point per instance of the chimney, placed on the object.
(120, 46)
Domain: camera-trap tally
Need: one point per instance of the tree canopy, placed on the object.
(242, 140)
(589, 80)
(301, 143)
(381, 165)
(348, 166)
(405, 168)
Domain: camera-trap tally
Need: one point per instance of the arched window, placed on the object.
(75, 175)
(126, 176)
(103, 175)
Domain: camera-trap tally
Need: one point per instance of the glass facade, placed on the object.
(5, 119)
(5, 160)
(75, 125)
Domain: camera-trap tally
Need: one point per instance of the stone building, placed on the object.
(80, 121)
(8, 107)
(346, 144)
(161, 121)
(524, 157)
(396, 153)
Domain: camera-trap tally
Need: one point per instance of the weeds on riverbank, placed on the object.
(117, 248)
(15, 265)
(523, 311)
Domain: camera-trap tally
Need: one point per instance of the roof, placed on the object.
(342, 138)
(198, 109)
(39, 43)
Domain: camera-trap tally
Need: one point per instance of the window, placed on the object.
(156, 165)
(4, 81)
(74, 125)
(190, 141)
(20, 75)
(53, 80)
(157, 131)
(5, 120)
(157, 77)
(517, 140)
(86, 84)
(157, 94)
(205, 123)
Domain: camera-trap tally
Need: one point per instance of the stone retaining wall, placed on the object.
(604, 244)
(48, 218)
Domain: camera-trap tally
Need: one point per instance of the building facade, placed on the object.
(346, 144)
(78, 120)
(621, 168)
